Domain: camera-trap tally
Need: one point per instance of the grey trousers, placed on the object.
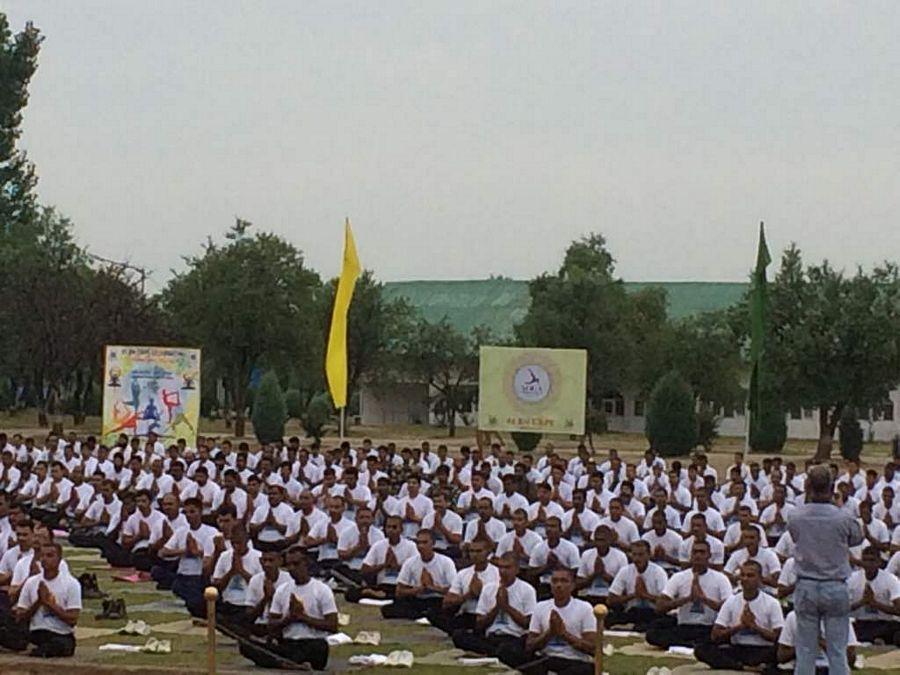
(824, 603)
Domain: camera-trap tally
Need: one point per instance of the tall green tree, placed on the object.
(18, 62)
(671, 417)
(248, 303)
(833, 338)
(445, 360)
(584, 306)
(269, 410)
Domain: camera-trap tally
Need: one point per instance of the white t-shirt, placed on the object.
(715, 585)
(256, 591)
(529, 540)
(495, 530)
(348, 539)
(765, 608)
(578, 618)
(714, 522)
(440, 567)
(588, 521)
(886, 588)
(329, 550)
(522, 598)
(463, 579)
(451, 520)
(613, 561)
(318, 602)
(284, 515)
(671, 543)
(788, 576)
(566, 553)
(766, 558)
(716, 550)
(204, 535)
(624, 582)
(403, 551)
(235, 593)
(626, 529)
(67, 591)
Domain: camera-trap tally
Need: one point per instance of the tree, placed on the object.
(18, 62)
(249, 303)
(293, 402)
(269, 410)
(768, 428)
(375, 328)
(316, 416)
(671, 424)
(440, 357)
(850, 434)
(584, 306)
(833, 339)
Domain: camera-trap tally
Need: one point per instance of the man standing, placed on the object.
(823, 535)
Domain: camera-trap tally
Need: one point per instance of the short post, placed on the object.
(600, 612)
(211, 594)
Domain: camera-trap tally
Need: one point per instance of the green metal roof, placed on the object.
(501, 303)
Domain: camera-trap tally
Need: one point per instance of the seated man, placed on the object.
(599, 566)
(191, 544)
(100, 519)
(49, 604)
(446, 525)
(561, 634)
(697, 594)
(423, 581)
(519, 540)
(875, 600)
(353, 546)
(325, 534)
(665, 543)
(699, 532)
(484, 527)
(382, 563)
(549, 554)
(303, 613)
(458, 608)
(502, 614)
(261, 589)
(231, 576)
(787, 645)
(751, 550)
(747, 627)
(635, 590)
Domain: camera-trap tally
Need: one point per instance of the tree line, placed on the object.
(251, 302)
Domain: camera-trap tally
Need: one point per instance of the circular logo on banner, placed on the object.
(531, 383)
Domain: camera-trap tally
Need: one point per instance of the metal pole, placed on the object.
(211, 594)
(342, 425)
(600, 612)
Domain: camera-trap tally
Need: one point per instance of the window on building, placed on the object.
(807, 413)
(608, 406)
(796, 413)
(728, 411)
(638, 408)
(739, 409)
(620, 406)
(887, 411)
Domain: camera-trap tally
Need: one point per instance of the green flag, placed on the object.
(758, 311)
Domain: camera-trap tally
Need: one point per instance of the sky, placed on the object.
(465, 139)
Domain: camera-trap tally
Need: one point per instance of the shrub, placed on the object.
(269, 410)
(671, 419)
(768, 426)
(294, 403)
(525, 441)
(316, 416)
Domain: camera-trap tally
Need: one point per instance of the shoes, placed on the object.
(113, 609)
(138, 627)
(90, 589)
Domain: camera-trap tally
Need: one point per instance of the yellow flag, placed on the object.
(336, 356)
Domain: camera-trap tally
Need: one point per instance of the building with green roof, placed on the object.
(502, 303)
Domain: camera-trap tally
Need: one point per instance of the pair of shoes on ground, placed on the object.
(113, 609)
(138, 627)
(90, 588)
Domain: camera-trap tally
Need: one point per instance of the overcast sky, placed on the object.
(469, 138)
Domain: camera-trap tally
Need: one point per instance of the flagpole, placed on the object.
(342, 424)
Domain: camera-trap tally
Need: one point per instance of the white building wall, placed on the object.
(396, 404)
(806, 427)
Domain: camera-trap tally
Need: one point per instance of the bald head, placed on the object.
(818, 484)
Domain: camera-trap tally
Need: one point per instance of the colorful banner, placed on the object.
(537, 390)
(151, 389)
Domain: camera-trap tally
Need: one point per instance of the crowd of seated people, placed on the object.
(505, 552)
